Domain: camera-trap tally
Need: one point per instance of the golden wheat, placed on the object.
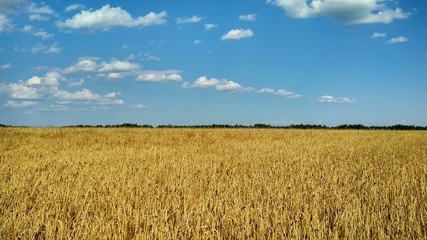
(63, 183)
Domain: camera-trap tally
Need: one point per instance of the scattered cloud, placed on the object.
(40, 48)
(279, 92)
(83, 65)
(118, 66)
(20, 91)
(143, 56)
(138, 106)
(11, 6)
(5, 66)
(378, 35)
(107, 17)
(237, 34)
(160, 76)
(395, 40)
(210, 26)
(40, 13)
(197, 41)
(74, 7)
(38, 33)
(85, 95)
(228, 85)
(331, 99)
(218, 84)
(193, 19)
(38, 17)
(19, 104)
(343, 11)
(248, 17)
(44, 9)
(5, 23)
(77, 83)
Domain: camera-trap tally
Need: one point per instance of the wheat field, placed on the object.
(85, 183)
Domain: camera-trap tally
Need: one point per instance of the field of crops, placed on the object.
(83, 183)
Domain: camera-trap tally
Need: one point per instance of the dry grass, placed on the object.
(211, 183)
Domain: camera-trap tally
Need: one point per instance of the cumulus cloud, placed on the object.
(107, 17)
(19, 104)
(193, 19)
(395, 40)
(5, 23)
(85, 95)
(248, 17)
(218, 84)
(5, 66)
(331, 99)
(74, 7)
(118, 66)
(40, 48)
(77, 83)
(44, 9)
(378, 35)
(20, 91)
(34, 80)
(279, 92)
(138, 106)
(38, 33)
(83, 65)
(210, 26)
(40, 13)
(227, 85)
(343, 11)
(160, 76)
(236, 34)
(197, 41)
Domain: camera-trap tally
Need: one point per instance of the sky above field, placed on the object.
(188, 62)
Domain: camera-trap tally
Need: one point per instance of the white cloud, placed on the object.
(218, 84)
(21, 104)
(40, 48)
(197, 41)
(85, 95)
(107, 17)
(138, 106)
(5, 23)
(378, 35)
(5, 66)
(343, 11)
(73, 7)
(193, 19)
(11, 6)
(237, 34)
(143, 56)
(400, 39)
(119, 66)
(34, 80)
(279, 92)
(38, 33)
(331, 99)
(227, 85)
(54, 49)
(248, 17)
(160, 76)
(38, 17)
(76, 84)
(210, 26)
(20, 91)
(33, 8)
(83, 65)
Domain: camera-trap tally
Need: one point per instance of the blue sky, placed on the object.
(188, 62)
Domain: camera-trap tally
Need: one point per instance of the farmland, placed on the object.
(83, 183)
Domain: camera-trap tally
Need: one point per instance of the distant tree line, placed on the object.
(257, 125)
